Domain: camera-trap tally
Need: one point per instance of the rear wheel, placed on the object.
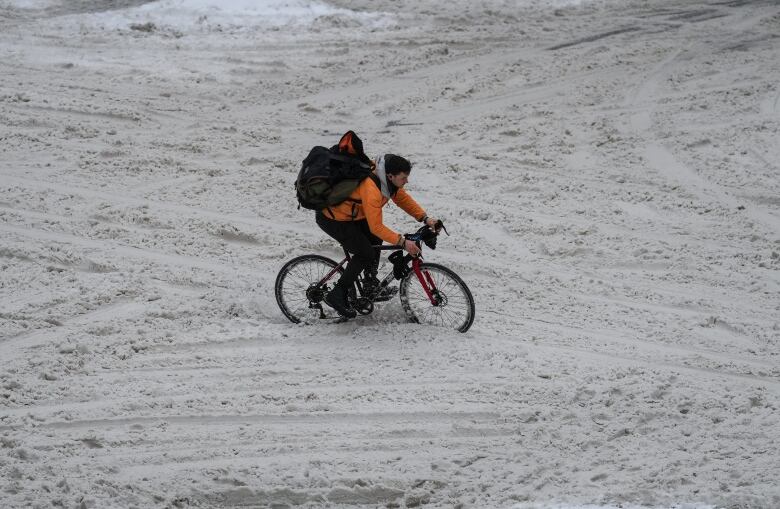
(454, 304)
(298, 292)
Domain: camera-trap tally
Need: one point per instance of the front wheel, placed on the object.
(299, 292)
(454, 306)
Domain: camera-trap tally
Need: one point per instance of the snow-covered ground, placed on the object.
(608, 171)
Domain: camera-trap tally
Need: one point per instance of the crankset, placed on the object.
(364, 306)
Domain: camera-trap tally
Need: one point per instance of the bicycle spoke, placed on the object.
(295, 281)
(455, 309)
(304, 279)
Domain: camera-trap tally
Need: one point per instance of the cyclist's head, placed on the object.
(397, 169)
(396, 164)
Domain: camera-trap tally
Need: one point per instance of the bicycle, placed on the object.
(440, 298)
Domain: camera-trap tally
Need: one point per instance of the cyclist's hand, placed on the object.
(431, 222)
(411, 248)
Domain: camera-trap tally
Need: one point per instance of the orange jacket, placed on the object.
(370, 208)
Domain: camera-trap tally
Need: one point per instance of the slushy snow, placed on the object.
(608, 172)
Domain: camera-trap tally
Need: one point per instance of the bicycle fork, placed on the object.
(426, 281)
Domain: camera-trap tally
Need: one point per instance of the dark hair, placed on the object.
(396, 164)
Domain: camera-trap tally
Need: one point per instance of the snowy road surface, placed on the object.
(609, 172)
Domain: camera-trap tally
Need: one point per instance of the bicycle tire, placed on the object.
(292, 283)
(458, 309)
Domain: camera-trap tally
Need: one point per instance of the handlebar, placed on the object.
(424, 234)
(427, 235)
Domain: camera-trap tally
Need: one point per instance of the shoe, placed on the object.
(337, 299)
(370, 286)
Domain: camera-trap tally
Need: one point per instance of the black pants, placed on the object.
(356, 237)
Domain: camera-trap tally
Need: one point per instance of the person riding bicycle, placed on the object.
(357, 225)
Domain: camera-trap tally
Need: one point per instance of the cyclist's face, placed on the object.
(399, 180)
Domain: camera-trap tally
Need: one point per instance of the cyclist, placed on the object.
(357, 225)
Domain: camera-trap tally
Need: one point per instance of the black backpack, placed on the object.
(329, 176)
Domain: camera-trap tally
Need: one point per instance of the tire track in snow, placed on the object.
(638, 98)
(593, 38)
(138, 458)
(50, 219)
(92, 116)
(402, 85)
(663, 161)
(310, 418)
(652, 351)
(115, 248)
(35, 339)
(178, 210)
(161, 183)
(480, 106)
(226, 384)
(770, 106)
(624, 359)
(709, 373)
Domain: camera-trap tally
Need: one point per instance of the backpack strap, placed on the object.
(378, 184)
(356, 201)
(376, 180)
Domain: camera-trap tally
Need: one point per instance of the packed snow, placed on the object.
(608, 172)
(187, 14)
(180, 17)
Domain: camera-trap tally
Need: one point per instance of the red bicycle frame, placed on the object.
(426, 281)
